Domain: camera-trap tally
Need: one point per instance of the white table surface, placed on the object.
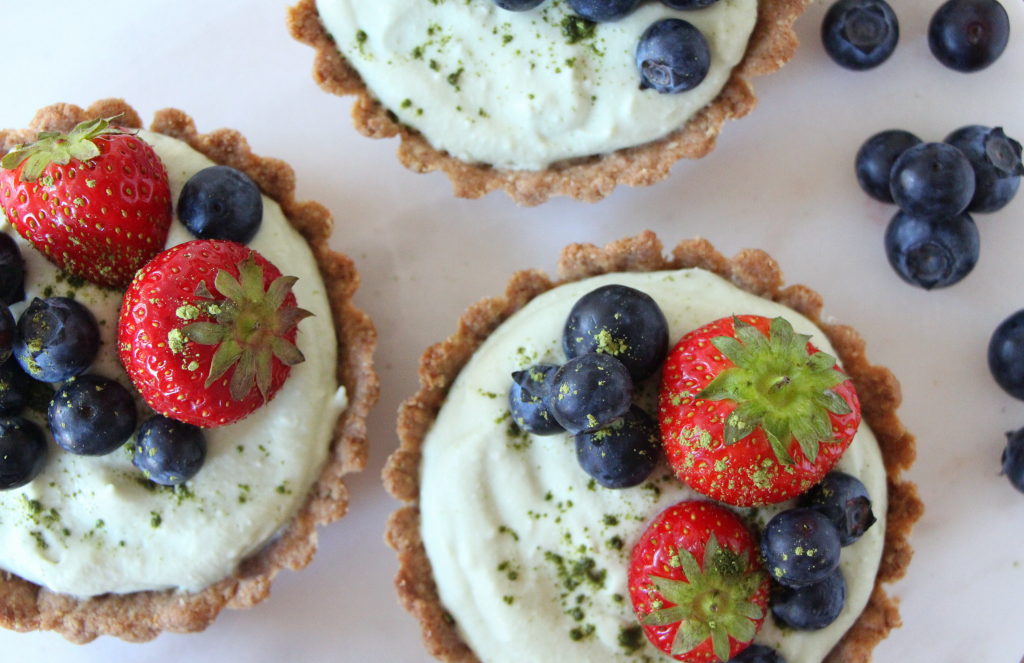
(781, 179)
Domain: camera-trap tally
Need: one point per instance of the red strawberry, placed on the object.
(752, 413)
(696, 584)
(207, 331)
(96, 201)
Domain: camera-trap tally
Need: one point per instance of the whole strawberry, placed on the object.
(207, 332)
(752, 413)
(696, 584)
(95, 201)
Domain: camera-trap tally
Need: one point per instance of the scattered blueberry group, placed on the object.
(1006, 362)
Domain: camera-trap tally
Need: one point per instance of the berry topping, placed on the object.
(688, 4)
(528, 400)
(12, 271)
(1013, 459)
(95, 202)
(996, 159)
(800, 547)
(812, 607)
(1006, 354)
(603, 10)
(844, 500)
(672, 57)
(932, 253)
(622, 454)
(876, 157)
(860, 34)
(22, 452)
(932, 180)
(752, 413)
(14, 388)
(221, 202)
(589, 392)
(758, 654)
(695, 583)
(518, 5)
(57, 338)
(622, 322)
(169, 452)
(8, 327)
(91, 415)
(969, 35)
(207, 332)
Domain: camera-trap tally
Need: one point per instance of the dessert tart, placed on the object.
(538, 102)
(91, 545)
(519, 554)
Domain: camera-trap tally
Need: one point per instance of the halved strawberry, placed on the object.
(95, 201)
(207, 331)
(752, 413)
(696, 584)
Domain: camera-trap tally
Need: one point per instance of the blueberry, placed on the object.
(603, 10)
(91, 415)
(622, 454)
(875, 159)
(968, 35)
(620, 321)
(589, 392)
(845, 501)
(8, 330)
(12, 271)
(15, 387)
(996, 159)
(932, 180)
(169, 452)
(528, 400)
(800, 547)
(1013, 459)
(22, 452)
(860, 34)
(1006, 354)
(672, 57)
(756, 653)
(932, 253)
(688, 4)
(221, 202)
(517, 5)
(57, 339)
(812, 607)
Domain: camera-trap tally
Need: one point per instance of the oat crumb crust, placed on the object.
(752, 270)
(590, 179)
(141, 616)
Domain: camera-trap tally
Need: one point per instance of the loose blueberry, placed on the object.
(845, 501)
(800, 547)
(756, 653)
(15, 387)
(688, 4)
(57, 339)
(812, 607)
(528, 400)
(603, 10)
(91, 415)
(876, 157)
(622, 322)
(1013, 459)
(672, 57)
(169, 452)
(860, 34)
(221, 202)
(996, 159)
(622, 454)
(932, 253)
(589, 392)
(22, 452)
(969, 35)
(1006, 354)
(8, 330)
(518, 5)
(12, 271)
(932, 180)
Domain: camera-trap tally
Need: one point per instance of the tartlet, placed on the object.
(588, 178)
(752, 271)
(142, 615)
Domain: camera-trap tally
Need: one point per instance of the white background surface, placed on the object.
(780, 179)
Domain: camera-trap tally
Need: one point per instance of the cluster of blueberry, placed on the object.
(965, 35)
(56, 339)
(672, 56)
(614, 337)
(933, 242)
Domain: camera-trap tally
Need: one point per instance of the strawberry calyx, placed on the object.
(53, 147)
(778, 387)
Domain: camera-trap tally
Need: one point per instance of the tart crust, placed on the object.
(752, 270)
(141, 616)
(590, 179)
